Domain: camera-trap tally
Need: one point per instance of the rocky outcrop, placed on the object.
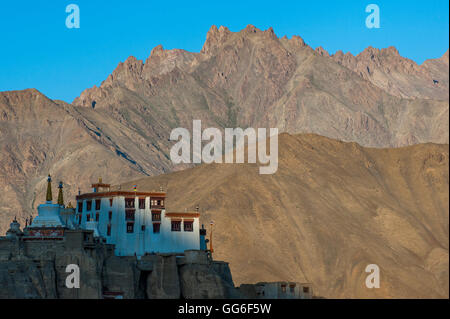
(27, 279)
(322, 51)
(201, 278)
(164, 281)
(120, 275)
(35, 270)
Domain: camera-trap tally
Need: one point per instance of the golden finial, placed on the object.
(60, 194)
(70, 205)
(99, 180)
(49, 196)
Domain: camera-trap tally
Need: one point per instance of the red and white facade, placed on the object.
(137, 222)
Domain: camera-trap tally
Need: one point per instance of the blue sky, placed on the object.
(37, 50)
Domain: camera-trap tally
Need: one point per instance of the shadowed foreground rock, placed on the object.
(37, 269)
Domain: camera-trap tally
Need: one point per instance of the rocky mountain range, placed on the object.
(120, 130)
(253, 78)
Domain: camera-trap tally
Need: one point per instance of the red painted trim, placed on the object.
(120, 193)
(184, 214)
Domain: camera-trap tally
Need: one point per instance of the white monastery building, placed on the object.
(135, 222)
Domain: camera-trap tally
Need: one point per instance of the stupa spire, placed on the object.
(49, 196)
(60, 194)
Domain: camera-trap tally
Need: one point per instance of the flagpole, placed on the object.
(210, 238)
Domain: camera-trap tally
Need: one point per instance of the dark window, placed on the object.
(130, 227)
(176, 225)
(97, 216)
(110, 215)
(108, 230)
(88, 217)
(129, 202)
(97, 204)
(129, 214)
(80, 207)
(141, 203)
(156, 216)
(156, 227)
(88, 205)
(159, 202)
(306, 290)
(188, 226)
(143, 227)
(110, 202)
(79, 219)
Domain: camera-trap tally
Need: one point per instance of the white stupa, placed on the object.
(14, 230)
(48, 213)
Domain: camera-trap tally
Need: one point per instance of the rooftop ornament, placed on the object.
(49, 196)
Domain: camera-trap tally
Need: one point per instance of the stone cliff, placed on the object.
(37, 269)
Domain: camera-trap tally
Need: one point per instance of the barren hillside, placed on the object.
(330, 210)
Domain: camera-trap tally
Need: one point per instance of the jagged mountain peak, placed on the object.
(157, 51)
(321, 51)
(214, 38)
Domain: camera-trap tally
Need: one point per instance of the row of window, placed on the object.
(156, 227)
(129, 216)
(97, 217)
(175, 226)
(283, 290)
(292, 288)
(129, 203)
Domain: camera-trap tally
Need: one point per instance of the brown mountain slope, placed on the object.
(331, 209)
(253, 78)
